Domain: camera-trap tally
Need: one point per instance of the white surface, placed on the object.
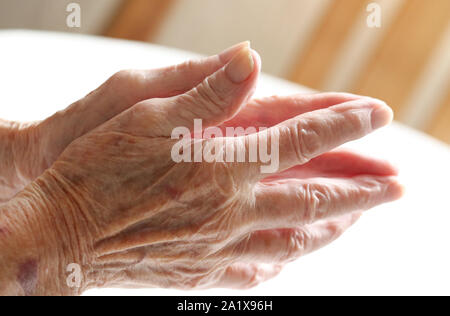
(400, 248)
(278, 29)
(52, 14)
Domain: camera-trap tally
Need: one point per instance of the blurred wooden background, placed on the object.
(323, 44)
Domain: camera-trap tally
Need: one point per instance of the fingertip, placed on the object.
(394, 169)
(228, 54)
(381, 115)
(394, 190)
(256, 58)
(384, 188)
(397, 190)
(241, 66)
(384, 167)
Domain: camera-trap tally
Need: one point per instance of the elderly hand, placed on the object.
(28, 149)
(117, 204)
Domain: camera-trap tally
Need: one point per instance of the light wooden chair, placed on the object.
(405, 62)
(138, 19)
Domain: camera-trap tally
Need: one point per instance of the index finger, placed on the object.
(298, 140)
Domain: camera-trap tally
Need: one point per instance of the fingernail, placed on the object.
(381, 116)
(229, 53)
(394, 191)
(241, 66)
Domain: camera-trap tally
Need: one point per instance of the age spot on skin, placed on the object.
(173, 193)
(28, 276)
(3, 231)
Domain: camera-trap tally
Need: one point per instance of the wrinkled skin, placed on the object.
(119, 206)
(45, 141)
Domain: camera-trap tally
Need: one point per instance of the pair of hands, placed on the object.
(103, 191)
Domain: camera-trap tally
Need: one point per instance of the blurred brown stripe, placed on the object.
(139, 19)
(403, 53)
(318, 56)
(440, 126)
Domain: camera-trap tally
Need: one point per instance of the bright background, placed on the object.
(323, 44)
(399, 248)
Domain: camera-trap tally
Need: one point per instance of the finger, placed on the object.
(270, 111)
(172, 80)
(125, 89)
(338, 163)
(244, 275)
(309, 135)
(217, 99)
(294, 202)
(237, 275)
(283, 245)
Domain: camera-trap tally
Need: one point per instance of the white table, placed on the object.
(399, 248)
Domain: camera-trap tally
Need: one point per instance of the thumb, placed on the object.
(119, 93)
(218, 98)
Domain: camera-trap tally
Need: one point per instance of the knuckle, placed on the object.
(357, 122)
(121, 76)
(297, 242)
(124, 79)
(255, 277)
(189, 67)
(212, 97)
(355, 119)
(305, 138)
(315, 202)
(138, 112)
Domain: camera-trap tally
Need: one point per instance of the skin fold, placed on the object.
(103, 192)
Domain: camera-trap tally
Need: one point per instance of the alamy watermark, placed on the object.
(75, 276)
(374, 18)
(234, 146)
(74, 17)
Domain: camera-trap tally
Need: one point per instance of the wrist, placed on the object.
(10, 183)
(46, 233)
(20, 161)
